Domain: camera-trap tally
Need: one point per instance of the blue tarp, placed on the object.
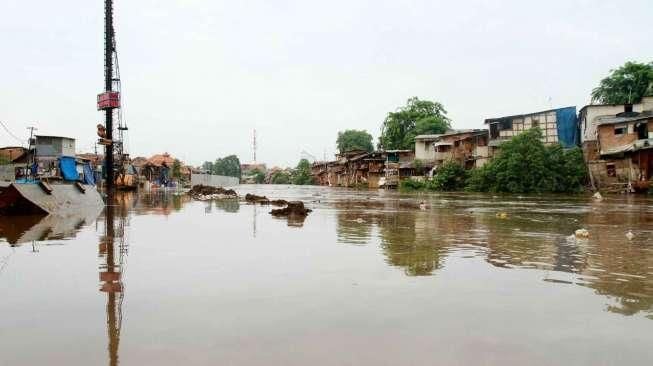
(89, 177)
(68, 168)
(568, 132)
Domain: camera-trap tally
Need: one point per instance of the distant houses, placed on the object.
(617, 143)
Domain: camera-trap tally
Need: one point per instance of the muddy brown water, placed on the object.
(368, 278)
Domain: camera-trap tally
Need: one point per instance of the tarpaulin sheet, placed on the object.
(68, 168)
(568, 132)
(89, 177)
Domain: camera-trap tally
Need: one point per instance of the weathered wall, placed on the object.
(608, 140)
(589, 117)
(545, 121)
(213, 180)
(424, 150)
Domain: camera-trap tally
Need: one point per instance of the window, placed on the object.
(506, 124)
(620, 130)
(611, 169)
(535, 123)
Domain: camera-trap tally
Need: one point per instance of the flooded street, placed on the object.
(368, 278)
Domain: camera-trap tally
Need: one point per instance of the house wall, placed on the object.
(545, 121)
(608, 139)
(609, 173)
(55, 146)
(213, 180)
(424, 150)
(589, 117)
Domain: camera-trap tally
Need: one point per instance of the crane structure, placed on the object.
(110, 101)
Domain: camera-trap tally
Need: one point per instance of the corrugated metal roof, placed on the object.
(624, 119)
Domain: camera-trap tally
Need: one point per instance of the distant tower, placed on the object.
(254, 145)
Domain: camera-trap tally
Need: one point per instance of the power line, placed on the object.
(11, 134)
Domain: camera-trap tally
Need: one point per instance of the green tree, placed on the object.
(228, 166)
(354, 140)
(450, 176)
(280, 177)
(207, 166)
(417, 117)
(525, 165)
(176, 169)
(259, 176)
(4, 160)
(302, 174)
(627, 84)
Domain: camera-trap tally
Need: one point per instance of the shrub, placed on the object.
(526, 165)
(450, 176)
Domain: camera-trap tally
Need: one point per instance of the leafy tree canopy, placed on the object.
(280, 177)
(417, 117)
(259, 176)
(302, 174)
(207, 166)
(627, 84)
(228, 166)
(354, 140)
(176, 169)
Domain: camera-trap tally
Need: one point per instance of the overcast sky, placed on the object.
(200, 75)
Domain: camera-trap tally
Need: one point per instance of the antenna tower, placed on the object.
(254, 145)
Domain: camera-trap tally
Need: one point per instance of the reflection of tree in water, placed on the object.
(354, 227)
(405, 247)
(228, 205)
(624, 267)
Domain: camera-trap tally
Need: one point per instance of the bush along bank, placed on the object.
(523, 165)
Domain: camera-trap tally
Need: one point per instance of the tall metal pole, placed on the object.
(108, 86)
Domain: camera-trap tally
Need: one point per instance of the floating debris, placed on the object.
(204, 193)
(582, 234)
(502, 215)
(630, 235)
(597, 196)
(252, 198)
(294, 208)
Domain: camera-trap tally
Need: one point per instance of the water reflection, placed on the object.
(112, 254)
(17, 230)
(522, 234)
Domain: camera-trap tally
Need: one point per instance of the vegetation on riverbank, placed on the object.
(523, 165)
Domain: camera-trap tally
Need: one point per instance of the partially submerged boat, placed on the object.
(53, 195)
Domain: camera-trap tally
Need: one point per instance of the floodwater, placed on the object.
(368, 278)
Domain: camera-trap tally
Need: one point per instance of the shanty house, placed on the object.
(557, 125)
(467, 147)
(588, 119)
(398, 166)
(424, 147)
(52, 147)
(625, 149)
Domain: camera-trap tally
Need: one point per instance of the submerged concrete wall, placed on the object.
(213, 180)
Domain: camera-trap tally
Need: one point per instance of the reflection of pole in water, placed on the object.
(254, 222)
(110, 280)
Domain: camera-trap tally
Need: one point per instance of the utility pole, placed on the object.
(108, 86)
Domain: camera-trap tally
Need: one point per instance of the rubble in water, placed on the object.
(252, 198)
(294, 208)
(204, 193)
